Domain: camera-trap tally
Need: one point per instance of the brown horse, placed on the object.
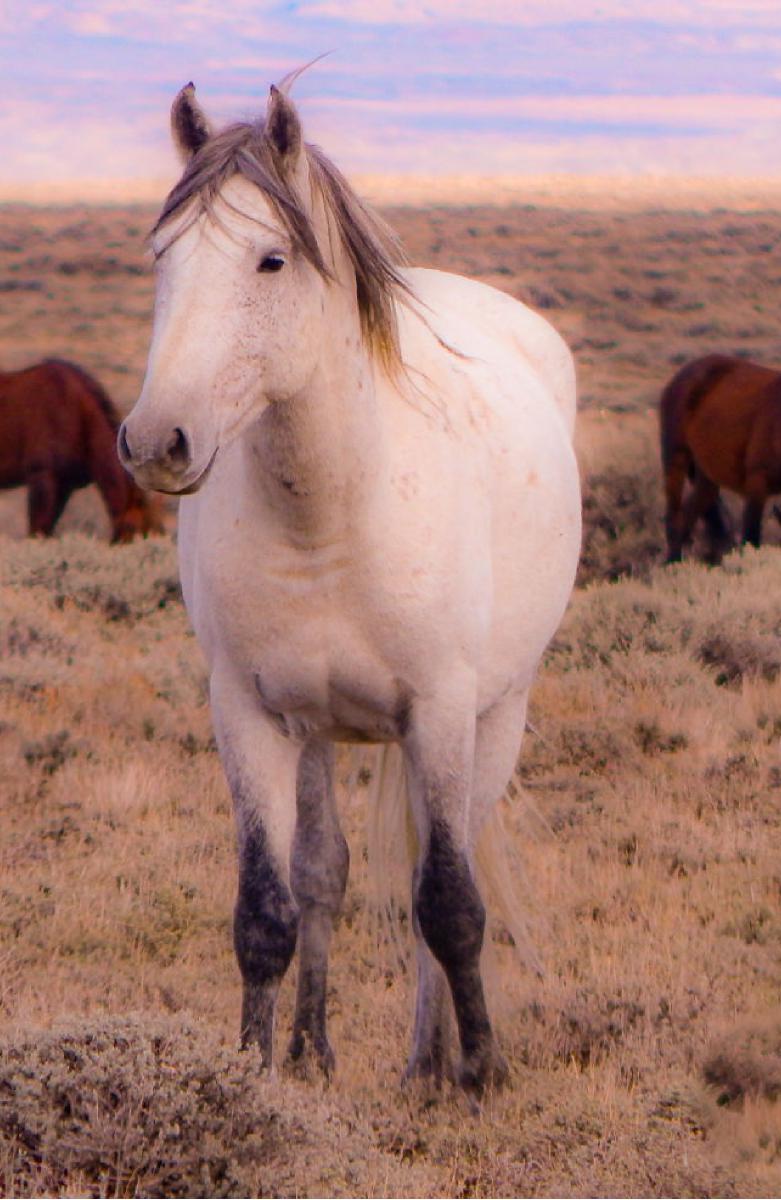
(58, 432)
(720, 428)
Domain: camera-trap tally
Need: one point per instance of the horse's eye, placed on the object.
(272, 262)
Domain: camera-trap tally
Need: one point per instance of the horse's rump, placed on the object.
(683, 395)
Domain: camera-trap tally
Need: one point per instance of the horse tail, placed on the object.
(392, 852)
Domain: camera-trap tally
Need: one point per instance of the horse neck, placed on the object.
(318, 449)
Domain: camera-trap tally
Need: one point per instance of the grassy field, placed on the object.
(646, 819)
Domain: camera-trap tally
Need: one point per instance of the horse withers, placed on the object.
(378, 536)
(58, 431)
(720, 423)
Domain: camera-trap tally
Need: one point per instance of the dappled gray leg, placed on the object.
(264, 932)
(431, 1055)
(447, 906)
(452, 919)
(319, 869)
(260, 765)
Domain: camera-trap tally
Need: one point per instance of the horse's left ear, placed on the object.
(189, 125)
(283, 128)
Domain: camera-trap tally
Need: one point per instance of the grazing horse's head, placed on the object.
(253, 245)
(142, 516)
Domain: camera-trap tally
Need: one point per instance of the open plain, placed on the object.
(646, 819)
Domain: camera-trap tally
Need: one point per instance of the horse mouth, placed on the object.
(194, 485)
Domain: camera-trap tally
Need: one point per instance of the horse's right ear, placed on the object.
(189, 125)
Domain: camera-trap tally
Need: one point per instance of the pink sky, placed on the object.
(435, 86)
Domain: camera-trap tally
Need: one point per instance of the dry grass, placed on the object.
(647, 1060)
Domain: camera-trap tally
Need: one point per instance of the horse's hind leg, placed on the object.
(719, 533)
(676, 474)
(497, 743)
(430, 1057)
(700, 501)
(261, 766)
(319, 868)
(756, 496)
(447, 906)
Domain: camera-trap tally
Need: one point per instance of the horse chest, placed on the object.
(307, 643)
(352, 698)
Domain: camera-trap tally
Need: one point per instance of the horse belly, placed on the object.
(534, 540)
(718, 443)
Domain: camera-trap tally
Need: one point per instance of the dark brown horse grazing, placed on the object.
(720, 428)
(58, 432)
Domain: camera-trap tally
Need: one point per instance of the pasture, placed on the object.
(646, 1062)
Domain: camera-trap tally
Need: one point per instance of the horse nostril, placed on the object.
(178, 449)
(123, 449)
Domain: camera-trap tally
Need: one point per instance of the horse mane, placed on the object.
(375, 252)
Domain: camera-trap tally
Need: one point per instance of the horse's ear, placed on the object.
(283, 128)
(189, 125)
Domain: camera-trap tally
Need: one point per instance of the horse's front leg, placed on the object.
(46, 499)
(261, 766)
(448, 909)
(319, 876)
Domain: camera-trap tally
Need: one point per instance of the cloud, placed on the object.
(499, 84)
(715, 111)
(542, 12)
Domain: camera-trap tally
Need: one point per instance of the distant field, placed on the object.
(647, 1062)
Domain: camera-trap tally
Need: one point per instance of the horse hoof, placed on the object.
(429, 1071)
(490, 1072)
(306, 1056)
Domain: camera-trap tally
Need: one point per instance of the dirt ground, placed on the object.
(647, 1061)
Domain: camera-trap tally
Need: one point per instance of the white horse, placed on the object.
(378, 538)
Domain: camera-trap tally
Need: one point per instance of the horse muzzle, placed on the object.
(166, 465)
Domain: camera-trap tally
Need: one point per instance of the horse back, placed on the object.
(54, 417)
(478, 321)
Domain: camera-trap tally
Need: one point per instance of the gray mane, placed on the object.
(374, 250)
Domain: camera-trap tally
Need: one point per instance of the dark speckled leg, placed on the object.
(447, 906)
(260, 765)
(264, 931)
(452, 918)
(319, 875)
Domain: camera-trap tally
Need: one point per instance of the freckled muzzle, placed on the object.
(162, 463)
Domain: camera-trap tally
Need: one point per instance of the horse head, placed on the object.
(240, 299)
(142, 516)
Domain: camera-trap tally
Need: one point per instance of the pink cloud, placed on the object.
(534, 12)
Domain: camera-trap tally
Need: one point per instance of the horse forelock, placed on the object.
(373, 250)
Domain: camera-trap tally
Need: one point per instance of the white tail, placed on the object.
(392, 850)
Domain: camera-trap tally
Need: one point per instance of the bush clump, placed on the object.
(119, 583)
(127, 1107)
(746, 1062)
